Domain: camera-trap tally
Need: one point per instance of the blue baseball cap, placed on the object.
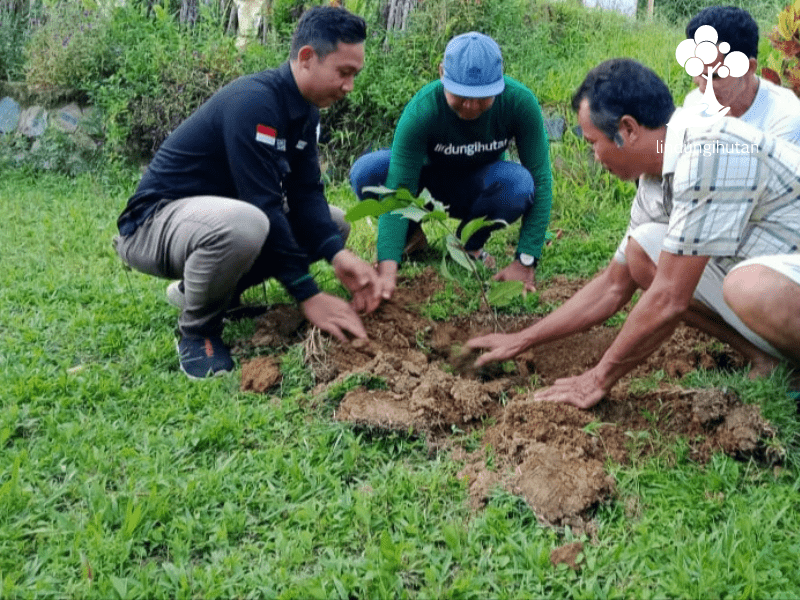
(473, 66)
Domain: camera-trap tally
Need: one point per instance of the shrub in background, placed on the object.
(784, 65)
(183, 84)
(165, 71)
(70, 50)
(679, 12)
(17, 23)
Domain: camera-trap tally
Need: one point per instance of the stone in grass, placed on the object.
(9, 115)
(555, 127)
(33, 121)
(68, 117)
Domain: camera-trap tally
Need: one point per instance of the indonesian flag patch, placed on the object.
(266, 135)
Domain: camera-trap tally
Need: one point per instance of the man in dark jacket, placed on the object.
(234, 197)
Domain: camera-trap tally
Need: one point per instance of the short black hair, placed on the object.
(733, 24)
(622, 86)
(323, 27)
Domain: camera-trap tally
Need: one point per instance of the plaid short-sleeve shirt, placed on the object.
(734, 193)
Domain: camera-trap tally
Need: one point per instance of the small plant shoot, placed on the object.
(425, 208)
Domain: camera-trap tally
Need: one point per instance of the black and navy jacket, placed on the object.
(255, 140)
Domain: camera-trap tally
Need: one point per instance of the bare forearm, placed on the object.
(598, 300)
(650, 323)
(654, 317)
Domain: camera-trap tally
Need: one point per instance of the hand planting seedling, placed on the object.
(425, 208)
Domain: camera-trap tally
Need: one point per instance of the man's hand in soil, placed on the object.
(333, 315)
(501, 346)
(387, 277)
(516, 271)
(358, 277)
(582, 391)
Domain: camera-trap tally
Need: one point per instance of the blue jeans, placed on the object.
(500, 190)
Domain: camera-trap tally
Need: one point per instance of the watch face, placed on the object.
(526, 259)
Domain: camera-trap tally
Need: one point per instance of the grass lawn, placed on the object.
(120, 478)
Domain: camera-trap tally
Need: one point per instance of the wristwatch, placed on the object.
(527, 260)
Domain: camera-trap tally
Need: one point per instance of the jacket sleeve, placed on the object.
(534, 154)
(309, 213)
(408, 155)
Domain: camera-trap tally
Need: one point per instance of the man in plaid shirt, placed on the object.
(726, 261)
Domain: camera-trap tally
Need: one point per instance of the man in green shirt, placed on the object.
(451, 139)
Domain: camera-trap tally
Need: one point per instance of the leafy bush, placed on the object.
(70, 50)
(16, 25)
(165, 72)
(182, 86)
(54, 151)
(681, 11)
(784, 65)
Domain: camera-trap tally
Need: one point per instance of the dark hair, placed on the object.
(323, 27)
(733, 24)
(622, 86)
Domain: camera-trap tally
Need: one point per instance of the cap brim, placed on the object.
(474, 91)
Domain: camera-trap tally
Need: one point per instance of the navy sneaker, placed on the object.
(202, 357)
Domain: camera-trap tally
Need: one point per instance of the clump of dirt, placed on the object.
(552, 455)
(261, 374)
(567, 555)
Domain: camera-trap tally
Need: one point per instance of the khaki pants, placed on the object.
(650, 237)
(210, 243)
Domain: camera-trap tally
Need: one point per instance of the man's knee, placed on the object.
(736, 290)
(641, 266)
(337, 215)
(642, 252)
(370, 169)
(248, 228)
(517, 182)
(768, 302)
(759, 290)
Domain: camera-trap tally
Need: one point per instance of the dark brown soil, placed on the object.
(568, 555)
(552, 455)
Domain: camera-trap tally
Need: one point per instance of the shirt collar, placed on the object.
(297, 105)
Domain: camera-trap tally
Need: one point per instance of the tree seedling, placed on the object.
(425, 208)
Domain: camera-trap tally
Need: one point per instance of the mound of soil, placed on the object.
(552, 455)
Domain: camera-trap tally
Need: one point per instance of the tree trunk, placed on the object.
(188, 12)
(248, 15)
(399, 10)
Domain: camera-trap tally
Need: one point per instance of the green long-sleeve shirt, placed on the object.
(430, 133)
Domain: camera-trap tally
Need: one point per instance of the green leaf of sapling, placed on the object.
(436, 215)
(503, 293)
(412, 213)
(372, 208)
(378, 190)
(456, 251)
